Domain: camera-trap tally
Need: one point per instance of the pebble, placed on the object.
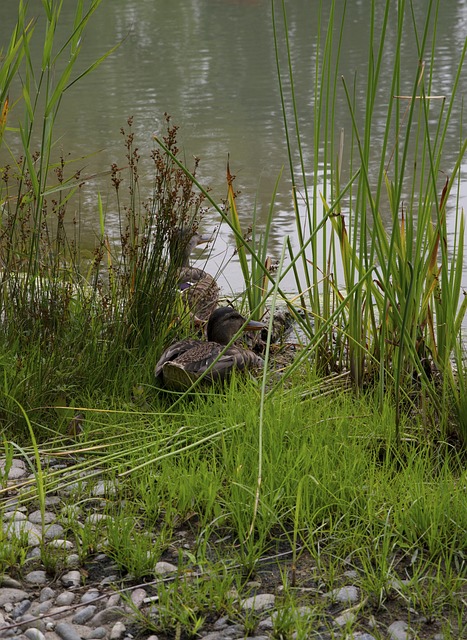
(34, 634)
(36, 577)
(24, 528)
(16, 471)
(137, 597)
(90, 595)
(346, 595)
(21, 609)
(9, 595)
(105, 616)
(162, 568)
(65, 599)
(399, 630)
(117, 631)
(36, 517)
(53, 531)
(347, 617)
(66, 631)
(71, 579)
(46, 594)
(259, 602)
(61, 544)
(85, 614)
(6, 581)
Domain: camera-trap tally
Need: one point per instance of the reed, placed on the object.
(396, 315)
(75, 318)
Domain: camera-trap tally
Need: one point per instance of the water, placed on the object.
(211, 65)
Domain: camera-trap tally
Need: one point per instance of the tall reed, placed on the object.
(395, 318)
(74, 319)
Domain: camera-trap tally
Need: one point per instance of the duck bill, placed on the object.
(254, 325)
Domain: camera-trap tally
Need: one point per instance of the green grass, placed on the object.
(335, 494)
(352, 458)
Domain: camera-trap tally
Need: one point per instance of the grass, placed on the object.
(351, 458)
(336, 494)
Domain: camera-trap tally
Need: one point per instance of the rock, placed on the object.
(96, 518)
(346, 595)
(61, 544)
(72, 560)
(46, 594)
(31, 622)
(10, 516)
(65, 599)
(347, 617)
(42, 607)
(84, 614)
(66, 631)
(34, 634)
(36, 517)
(163, 568)
(8, 595)
(259, 602)
(24, 528)
(111, 614)
(399, 630)
(71, 579)
(137, 597)
(114, 600)
(6, 581)
(53, 531)
(21, 609)
(18, 469)
(90, 595)
(103, 488)
(36, 577)
(117, 631)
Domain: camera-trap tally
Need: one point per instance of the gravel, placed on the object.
(36, 606)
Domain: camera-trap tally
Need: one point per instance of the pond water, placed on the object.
(211, 65)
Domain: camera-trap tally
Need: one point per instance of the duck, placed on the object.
(187, 360)
(199, 290)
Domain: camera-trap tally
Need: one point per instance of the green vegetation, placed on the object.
(350, 457)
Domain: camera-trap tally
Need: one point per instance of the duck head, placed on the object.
(225, 322)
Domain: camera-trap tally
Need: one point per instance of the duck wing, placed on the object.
(219, 361)
(176, 350)
(183, 363)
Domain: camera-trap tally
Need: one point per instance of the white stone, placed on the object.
(36, 577)
(259, 602)
(71, 579)
(24, 528)
(17, 469)
(399, 630)
(117, 631)
(36, 517)
(346, 617)
(61, 544)
(345, 595)
(163, 568)
(9, 595)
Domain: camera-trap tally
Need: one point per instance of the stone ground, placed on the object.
(93, 600)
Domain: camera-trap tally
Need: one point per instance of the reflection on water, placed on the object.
(211, 65)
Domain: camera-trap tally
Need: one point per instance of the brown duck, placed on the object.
(199, 289)
(187, 360)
